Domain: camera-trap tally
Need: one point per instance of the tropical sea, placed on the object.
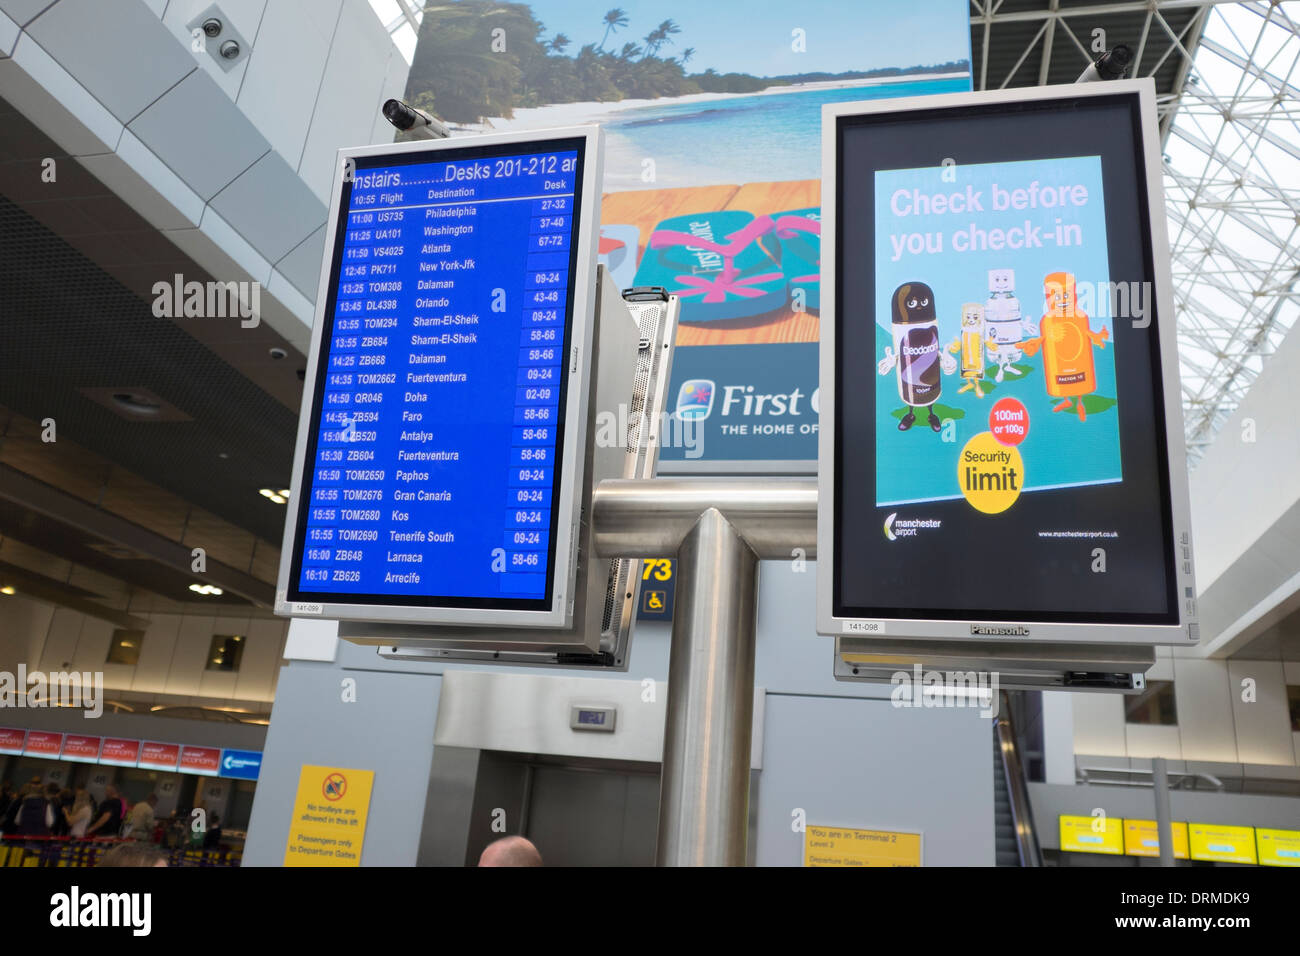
(771, 136)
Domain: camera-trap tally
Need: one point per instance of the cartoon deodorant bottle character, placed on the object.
(1067, 343)
(916, 352)
(1005, 326)
(971, 344)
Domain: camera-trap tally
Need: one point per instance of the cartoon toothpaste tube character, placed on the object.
(970, 343)
(916, 352)
(1067, 343)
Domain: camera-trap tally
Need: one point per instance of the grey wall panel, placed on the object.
(200, 134)
(387, 729)
(274, 229)
(121, 51)
(870, 765)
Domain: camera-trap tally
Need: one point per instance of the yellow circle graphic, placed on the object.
(1068, 340)
(990, 474)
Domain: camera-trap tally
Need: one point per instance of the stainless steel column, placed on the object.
(704, 794)
(718, 530)
(1164, 829)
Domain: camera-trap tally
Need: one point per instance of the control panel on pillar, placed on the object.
(1004, 456)
(444, 418)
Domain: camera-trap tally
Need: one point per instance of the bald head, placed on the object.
(510, 851)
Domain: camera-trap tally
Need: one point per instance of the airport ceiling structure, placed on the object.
(1225, 72)
(171, 434)
(1228, 95)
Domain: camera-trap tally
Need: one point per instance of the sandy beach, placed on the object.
(564, 114)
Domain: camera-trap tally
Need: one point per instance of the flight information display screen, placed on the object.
(1000, 436)
(434, 458)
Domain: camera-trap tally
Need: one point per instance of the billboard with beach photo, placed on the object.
(713, 121)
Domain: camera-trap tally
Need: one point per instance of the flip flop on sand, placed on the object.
(799, 232)
(716, 263)
(617, 252)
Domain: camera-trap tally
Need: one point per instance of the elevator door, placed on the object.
(592, 817)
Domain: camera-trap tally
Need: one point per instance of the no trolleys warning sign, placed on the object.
(329, 817)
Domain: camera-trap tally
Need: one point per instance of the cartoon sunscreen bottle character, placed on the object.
(916, 352)
(970, 343)
(1005, 326)
(1067, 343)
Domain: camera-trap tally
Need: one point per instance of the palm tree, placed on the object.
(613, 19)
(629, 50)
(666, 31)
(687, 55)
(654, 40)
(558, 43)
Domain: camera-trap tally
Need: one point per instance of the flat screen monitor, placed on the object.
(1001, 445)
(443, 428)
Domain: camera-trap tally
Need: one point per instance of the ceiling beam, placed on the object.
(97, 523)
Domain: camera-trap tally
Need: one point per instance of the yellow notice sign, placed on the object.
(1278, 847)
(839, 846)
(329, 817)
(1092, 834)
(1222, 843)
(1141, 838)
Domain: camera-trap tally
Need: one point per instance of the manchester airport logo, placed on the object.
(695, 399)
(896, 527)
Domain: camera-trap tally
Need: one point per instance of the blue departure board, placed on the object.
(434, 455)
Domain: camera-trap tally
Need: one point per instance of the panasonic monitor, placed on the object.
(443, 423)
(1001, 447)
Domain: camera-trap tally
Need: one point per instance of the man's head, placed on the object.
(152, 799)
(510, 851)
(110, 791)
(52, 791)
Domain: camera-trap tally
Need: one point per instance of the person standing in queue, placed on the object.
(108, 816)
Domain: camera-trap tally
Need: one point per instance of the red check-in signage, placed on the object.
(120, 753)
(201, 760)
(156, 756)
(81, 748)
(42, 743)
(12, 740)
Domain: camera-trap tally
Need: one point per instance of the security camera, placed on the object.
(1111, 65)
(278, 353)
(416, 122)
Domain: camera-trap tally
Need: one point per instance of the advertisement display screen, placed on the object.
(434, 471)
(1222, 844)
(1142, 838)
(1006, 438)
(1278, 847)
(1092, 835)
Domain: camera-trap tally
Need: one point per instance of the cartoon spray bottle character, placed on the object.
(1005, 325)
(971, 343)
(1067, 343)
(916, 352)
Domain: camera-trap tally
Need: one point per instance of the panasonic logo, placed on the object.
(983, 631)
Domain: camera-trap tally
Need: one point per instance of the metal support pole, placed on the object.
(718, 530)
(704, 794)
(1164, 830)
